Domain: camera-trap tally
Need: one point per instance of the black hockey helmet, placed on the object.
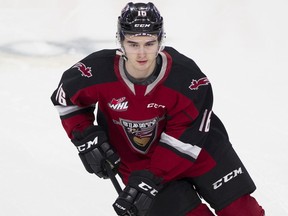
(140, 19)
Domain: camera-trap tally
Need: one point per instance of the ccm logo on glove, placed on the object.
(147, 187)
(120, 207)
(95, 150)
(87, 145)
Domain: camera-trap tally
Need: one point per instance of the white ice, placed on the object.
(240, 45)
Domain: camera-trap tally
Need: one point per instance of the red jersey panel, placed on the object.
(161, 126)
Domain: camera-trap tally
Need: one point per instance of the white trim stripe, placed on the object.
(161, 74)
(185, 148)
(65, 110)
(124, 77)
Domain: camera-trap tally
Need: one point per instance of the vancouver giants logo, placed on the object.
(195, 84)
(141, 134)
(85, 71)
(118, 104)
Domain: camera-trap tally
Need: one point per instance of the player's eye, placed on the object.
(150, 44)
(133, 45)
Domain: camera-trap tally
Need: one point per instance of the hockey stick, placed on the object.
(113, 178)
(115, 183)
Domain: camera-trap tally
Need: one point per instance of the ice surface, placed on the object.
(240, 45)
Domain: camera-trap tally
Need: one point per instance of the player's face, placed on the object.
(141, 52)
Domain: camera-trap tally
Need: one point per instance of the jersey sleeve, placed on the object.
(188, 122)
(71, 98)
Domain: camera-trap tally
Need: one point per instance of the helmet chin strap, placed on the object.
(161, 47)
(125, 57)
(123, 53)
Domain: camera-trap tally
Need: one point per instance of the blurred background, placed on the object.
(240, 45)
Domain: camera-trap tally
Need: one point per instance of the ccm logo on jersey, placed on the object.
(227, 178)
(195, 84)
(147, 187)
(85, 71)
(118, 104)
(155, 105)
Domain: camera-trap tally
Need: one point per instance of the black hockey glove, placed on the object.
(95, 151)
(137, 196)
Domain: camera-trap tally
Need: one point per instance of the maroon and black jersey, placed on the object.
(162, 126)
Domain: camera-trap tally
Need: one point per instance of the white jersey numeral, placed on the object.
(61, 96)
(205, 123)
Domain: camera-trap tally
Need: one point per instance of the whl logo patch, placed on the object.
(118, 104)
(85, 71)
(195, 84)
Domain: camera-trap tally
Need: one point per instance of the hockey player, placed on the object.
(155, 126)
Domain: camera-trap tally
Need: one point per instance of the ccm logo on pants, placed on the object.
(227, 178)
